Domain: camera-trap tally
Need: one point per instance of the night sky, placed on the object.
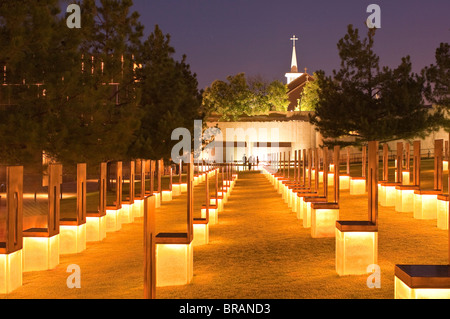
(226, 37)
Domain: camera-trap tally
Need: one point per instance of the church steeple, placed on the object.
(293, 74)
(294, 68)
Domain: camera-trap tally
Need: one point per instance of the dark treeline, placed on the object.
(97, 93)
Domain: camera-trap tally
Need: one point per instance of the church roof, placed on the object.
(300, 81)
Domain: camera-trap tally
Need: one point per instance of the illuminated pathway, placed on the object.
(258, 250)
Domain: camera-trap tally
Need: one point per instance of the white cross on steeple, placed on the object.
(293, 39)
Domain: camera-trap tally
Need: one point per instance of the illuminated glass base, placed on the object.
(166, 196)
(174, 264)
(344, 182)
(183, 187)
(113, 222)
(95, 229)
(138, 208)
(445, 165)
(40, 253)
(425, 206)
(201, 234)
(403, 291)
(404, 200)
(176, 189)
(157, 200)
(387, 196)
(442, 214)
(10, 271)
(331, 179)
(72, 239)
(355, 251)
(213, 215)
(126, 214)
(357, 186)
(323, 222)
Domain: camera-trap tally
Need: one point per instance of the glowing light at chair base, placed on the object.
(344, 182)
(306, 214)
(357, 186)
(323, 222)
(355, 251)
(113, 222)
(174, 264)
(403, 291)
(138, 208)
(299, 207)
(442, 214)
(166, 196)
(126, 214)
(387, 196)
(425, 206)
(293, 202)
(331, 179)
(72, 239)
(404, 200)
(445, 165)
(10, 271)
(405, 177)
(213, 215)
(183, 187)
(40, 253)
(201, 234)
(157, 200)
(176, 189)
(95, 228)
(219, 204)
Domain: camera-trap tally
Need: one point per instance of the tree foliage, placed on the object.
(310, 96)
(365, 102)
(78, 94)
(239, 96)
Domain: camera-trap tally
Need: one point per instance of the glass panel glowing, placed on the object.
(126, 214)
(72, 239)
(344, 182)
(425, 206)
(213, 215)
(442, 215)
(174, 264)
(355, 251)
(357, 186)
(323, 222)
(10, 271)
(201, 234)
(95, 228)
(113, 220)
(166, 196)
(404, 201)
(403, 291)
(176, 189)
(40, 253)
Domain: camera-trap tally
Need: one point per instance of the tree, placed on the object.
(310, 95)
(170, 97)
(437, 89)
(240, 96)
(365, 103)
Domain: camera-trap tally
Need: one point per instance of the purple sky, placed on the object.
(226, 37)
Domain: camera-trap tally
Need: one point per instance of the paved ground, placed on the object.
(258, 250)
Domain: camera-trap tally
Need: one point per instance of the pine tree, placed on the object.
(170, 98)
(363, 102)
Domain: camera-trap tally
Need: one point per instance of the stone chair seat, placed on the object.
(424, 276)
(443, 197)
(200, 221)
(356, 226)
(36, 232)
(427, 192)
(407, 187)
(69, 221)
(172, 238)
(324, 205)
